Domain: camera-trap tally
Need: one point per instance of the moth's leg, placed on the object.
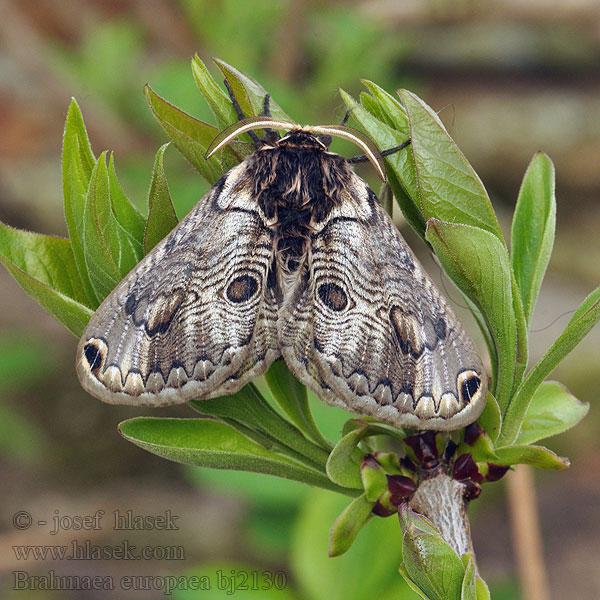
(267, 106)
(240, 113)
(346, 117)
(271, 136)
(363, 158)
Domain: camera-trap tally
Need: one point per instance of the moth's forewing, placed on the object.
(195, 317)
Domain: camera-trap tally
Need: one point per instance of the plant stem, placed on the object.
(441, 499)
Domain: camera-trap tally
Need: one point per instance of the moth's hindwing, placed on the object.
(367, 329)
(195, 317)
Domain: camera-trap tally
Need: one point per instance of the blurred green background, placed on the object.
(509, 78)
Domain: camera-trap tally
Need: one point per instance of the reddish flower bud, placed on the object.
(401, 488)
(464, 467)
(496, 472)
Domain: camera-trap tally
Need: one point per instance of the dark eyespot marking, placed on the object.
(440, 328)
(92, 355)
(333, 296)
(130, 304)
(469, 384)
(242, 288)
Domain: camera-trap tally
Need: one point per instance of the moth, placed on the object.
(290, 255)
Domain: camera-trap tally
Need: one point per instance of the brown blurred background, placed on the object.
(509, 78)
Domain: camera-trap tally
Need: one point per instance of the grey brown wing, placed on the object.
(195, 318)
(368, 330)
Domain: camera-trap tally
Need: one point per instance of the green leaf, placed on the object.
(190, 136)
(483, 592)
(110, 250)
(449, 188)
(78, 161)
(481, 450)
(429, 562)
(348, 524)
(374, 479)
(372, 106)
(468, 590)
(292, 398)
(552, 410)
(215, 96)
(413, 586)
(44, 266)
(478, 263)
(400, 168)
(206, 443)
(410, 518)
(249, 93)
(47, 258)
(538, 456)
(343, 464)
(131, 222)
(392, 112)
(161, 213)
(250, 413)
(491, 418)
(533, 227)
(584, 319)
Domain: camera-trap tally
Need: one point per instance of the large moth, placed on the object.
(290, 256)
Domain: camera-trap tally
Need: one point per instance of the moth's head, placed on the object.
(304, 139)
(318, 136)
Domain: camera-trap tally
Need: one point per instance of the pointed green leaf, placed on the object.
(78, 161)
(478, 263)
(374, 427)
(73, 315)
(44, 266)
(491, 418)
(449, 188)
(47, 258)
(131, 222)
(400, 168)
(413, 586)
(343, 464)
(483, 592)
(98, 239)
(533, 227)
(481, 450)
(429, 562)
(215, 96)
(393, 113)
(552, 410)
(161, 213)
(110, 250)
(538, 456)
(584, 319)
(348, 524)
(468, 590)
(374, 479)
(410, 518)
(292, 398)
(190, 136)
(251, 410)
(372, 106)
(206, 443)
(248, 92)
